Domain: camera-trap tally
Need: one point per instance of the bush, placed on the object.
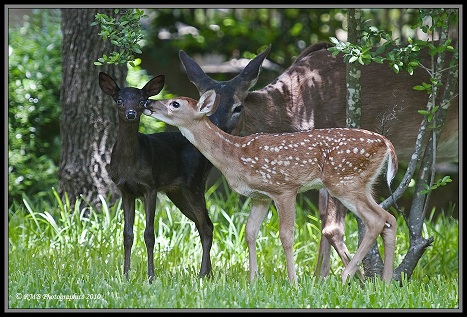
(34, 77)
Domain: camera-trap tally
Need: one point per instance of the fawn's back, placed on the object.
(338, 159)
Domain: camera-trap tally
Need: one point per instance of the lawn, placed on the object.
(59, 259)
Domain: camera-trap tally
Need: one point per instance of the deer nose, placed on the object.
(131, 114)
(147, 104)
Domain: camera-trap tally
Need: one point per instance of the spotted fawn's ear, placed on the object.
(208, 102)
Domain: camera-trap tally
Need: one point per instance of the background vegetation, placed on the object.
(34, 77)
(53, 251)
(34, 66)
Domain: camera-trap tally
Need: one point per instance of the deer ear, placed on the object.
(108, 85)
(208, 102)
(249, 75)
(154, 86)
(195, 74)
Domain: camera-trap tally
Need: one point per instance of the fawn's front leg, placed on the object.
(258, 212)
(285, 205)
(129, 219)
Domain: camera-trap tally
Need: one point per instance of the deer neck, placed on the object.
(127, 144)
(216, 145)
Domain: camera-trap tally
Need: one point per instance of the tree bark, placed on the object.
(372, 262)
(88, 119)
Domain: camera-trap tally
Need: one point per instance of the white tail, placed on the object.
(277, 167)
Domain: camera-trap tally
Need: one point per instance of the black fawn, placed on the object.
(144, 164)
(276, 167)
(311, 93)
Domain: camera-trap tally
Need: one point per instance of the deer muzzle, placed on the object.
(131, 115)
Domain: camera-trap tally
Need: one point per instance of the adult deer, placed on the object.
(144, 164)
(277, 167)
(311, 93)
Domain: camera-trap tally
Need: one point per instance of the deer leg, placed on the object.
(389, 240)
(285, 205)
(259, 211)
(324, 254)
(332, 214)
(374, 218)
(128, 204)
(193, 205)
(334, 231)
(150, 200)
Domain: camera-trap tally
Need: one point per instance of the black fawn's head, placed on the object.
(130, 101)
(183, 111)
(232, 93)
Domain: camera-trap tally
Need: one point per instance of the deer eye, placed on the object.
(142, 103)
(237, 109)
(119, 102)
(175, 104)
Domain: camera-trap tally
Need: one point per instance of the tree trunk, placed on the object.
(372, 262)
(88, 120)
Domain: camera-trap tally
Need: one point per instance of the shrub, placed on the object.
(34, 77)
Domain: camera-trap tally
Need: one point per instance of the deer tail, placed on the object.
(392, 162)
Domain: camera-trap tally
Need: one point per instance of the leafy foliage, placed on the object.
(398, 56)
(124, 32)
(34, 77)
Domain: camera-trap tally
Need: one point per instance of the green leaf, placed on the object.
(335, 52)
(334, 40)
(378, 60)
(447, 179)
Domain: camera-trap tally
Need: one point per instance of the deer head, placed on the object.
(231, 93)
(130, 101)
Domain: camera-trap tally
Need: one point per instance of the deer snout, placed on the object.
(131, 115)
(153, 106)
(147, 104)
(148, 107)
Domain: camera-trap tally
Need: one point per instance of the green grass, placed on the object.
(58, 259)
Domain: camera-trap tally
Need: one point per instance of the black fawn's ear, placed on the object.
(154, 86)
(108, 85)
(195, 74)
(208, 102)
